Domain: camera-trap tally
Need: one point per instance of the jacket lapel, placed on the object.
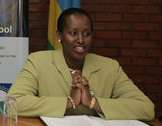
(59, 62)
(91, 66)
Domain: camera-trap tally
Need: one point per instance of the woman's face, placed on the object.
(76, 37)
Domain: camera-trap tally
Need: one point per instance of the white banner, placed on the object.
(13, 52)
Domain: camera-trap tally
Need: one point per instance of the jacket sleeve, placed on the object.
(29, 103)
(127, 101)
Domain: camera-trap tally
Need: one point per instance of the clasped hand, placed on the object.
(80, 89)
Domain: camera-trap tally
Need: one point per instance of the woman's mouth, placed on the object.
(79, 49)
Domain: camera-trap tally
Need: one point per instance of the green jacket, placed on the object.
(44, 83)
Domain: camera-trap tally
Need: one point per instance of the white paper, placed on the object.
(84, 120)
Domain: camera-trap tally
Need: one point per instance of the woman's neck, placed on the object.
(74, 64)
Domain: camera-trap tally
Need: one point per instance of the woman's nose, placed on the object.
(80, 38)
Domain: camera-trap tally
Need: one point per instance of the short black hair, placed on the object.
(68, 12)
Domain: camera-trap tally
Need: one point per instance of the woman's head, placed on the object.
(75, 29)
(61, 22)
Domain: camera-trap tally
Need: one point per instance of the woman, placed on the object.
(71, 81)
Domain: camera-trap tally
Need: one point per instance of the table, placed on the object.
(156, 122)
(35, 121)
(28, 121)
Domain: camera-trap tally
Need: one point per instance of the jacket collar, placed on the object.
(91, 65)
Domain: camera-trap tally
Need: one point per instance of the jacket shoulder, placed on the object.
(102, 59)
(40, 57)
(104, 62)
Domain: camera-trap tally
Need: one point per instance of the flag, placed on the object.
(13, 39)
(55, 9)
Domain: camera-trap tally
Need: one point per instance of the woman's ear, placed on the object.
(58, 36)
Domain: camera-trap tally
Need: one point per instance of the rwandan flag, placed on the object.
(56, 7)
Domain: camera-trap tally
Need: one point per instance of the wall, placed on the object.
(128, 30)
(38, 24)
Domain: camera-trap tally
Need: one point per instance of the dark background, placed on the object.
(127, 30)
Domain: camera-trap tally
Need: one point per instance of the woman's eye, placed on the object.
(85, 34)
(73, 33)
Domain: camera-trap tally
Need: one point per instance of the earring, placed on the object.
(59, 40)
